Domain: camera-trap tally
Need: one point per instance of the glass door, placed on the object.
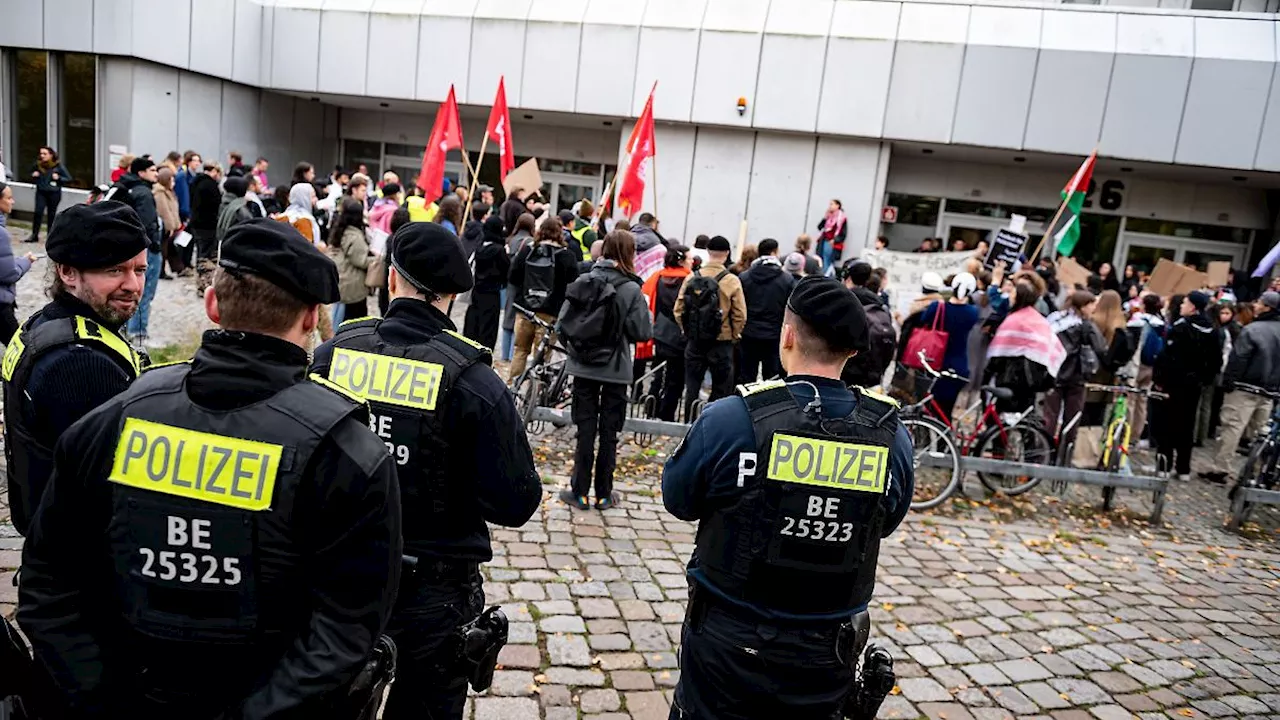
(970, 229)
(563, 190)
(1143, 251)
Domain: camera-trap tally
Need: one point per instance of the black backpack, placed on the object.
(591, 325)
(881, 337)
(540, 278)
(702, 316)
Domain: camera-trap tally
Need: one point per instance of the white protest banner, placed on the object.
(906, 270)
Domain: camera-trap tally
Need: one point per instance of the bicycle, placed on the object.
(1262, 467)
(1115, 455)
(1015, 436)
(544, 382)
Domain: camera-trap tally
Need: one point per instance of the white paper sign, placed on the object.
(907, 269)
(182, 239)
(377, 241)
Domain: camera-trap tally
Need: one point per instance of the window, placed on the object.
(79, 86)
(1220, 5)
(363, 152)
(1002, 212)
(1188, 230)
(32, 94)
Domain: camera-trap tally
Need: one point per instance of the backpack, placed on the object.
(702, 315)
(540, 278)
(591, 324)
(881, 337)
(1151, 345)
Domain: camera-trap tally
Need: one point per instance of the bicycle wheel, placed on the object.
(937, 462)
(1024, 442)
(1252, 472)
(1112, 457)
(528, 400)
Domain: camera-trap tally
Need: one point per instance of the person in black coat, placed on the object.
(766, 287)
(491, 266)
(49, 176)
(1191, 358)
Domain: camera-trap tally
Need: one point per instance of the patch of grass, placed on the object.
(1067, 536)
(548, 480)
(175, 352)
(646, 492)
(1097, 540)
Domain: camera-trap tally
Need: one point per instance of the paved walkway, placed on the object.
(1035, 607)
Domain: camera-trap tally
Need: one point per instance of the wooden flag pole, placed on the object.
(475, 177)
(1048, 231)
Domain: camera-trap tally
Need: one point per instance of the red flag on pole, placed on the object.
(446, 135)
(500, 131)
(641, 148)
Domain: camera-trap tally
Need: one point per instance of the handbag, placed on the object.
(375, 276)
(931, 341)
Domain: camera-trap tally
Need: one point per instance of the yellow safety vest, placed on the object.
(579, 234)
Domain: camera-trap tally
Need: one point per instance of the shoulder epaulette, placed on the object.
(338, 389)
(759, 387)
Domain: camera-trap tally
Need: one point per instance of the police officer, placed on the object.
(69, 357)
(793, 485)
(463, 458)
(221, 540)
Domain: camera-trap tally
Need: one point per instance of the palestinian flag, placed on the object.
(1066, 232)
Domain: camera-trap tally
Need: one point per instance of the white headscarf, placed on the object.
(300, 206)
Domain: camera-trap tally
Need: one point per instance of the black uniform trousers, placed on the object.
(483, 316)
(432, 604)
(716, 357)
(599, 409)
(47, 203)
(759, 356)
(733, 668)
(1174, 421)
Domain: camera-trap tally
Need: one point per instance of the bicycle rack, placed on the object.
(644, 406)
(1244, 501)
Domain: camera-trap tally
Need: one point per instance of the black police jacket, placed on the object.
(463, 461)
(65, 361)
(214, 543)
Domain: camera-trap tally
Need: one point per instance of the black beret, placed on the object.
(141, 164)
(96, 236)
(431, 259)
(832, 310)
(718, 244)
(391, 189)
(278, 253)
(236, 185)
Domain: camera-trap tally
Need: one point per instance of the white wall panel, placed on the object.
(116, 81)
(112, 26)
(265, 51)
(344, 52)
(614, 12)
(995, 92)
(239, 127)
(246, 55)
(866, 19)
(667, 56)
(387, 73)
(552, 50)
(682, 14)
(1226, 102)
(674, 169)
(777, 200)
(1144, 107)
(23, 24)
(497, 49)
(726, 71)
(159, 28)
(855, 86)
(1004, 26)
(720, 181)
(444, 58)
(199, 115)
(1268, 157)
(1067, 101)
(846, 170)
(155, 110)
(1077, 31)
(68, 24)
(212, 31)
(1155, 35)
(923, 90)
(790, 82)
(605, 88)
(929, 23)
(295, 48)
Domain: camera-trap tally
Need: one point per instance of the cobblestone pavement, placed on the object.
(1036, 607)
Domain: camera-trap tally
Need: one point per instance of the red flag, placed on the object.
(642, 148)
(500, 131)
(446, 135)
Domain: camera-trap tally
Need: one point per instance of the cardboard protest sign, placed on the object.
(525, 177)
(1217, 273)
(1072, 273)
(1170, 278)
(907, 269)
(1007, 245)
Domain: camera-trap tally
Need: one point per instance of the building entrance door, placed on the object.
(972, 228)
(562, 190)
(1143, 251)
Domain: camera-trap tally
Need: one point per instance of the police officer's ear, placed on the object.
(787, 340)
(211, 306)
(311, 319)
